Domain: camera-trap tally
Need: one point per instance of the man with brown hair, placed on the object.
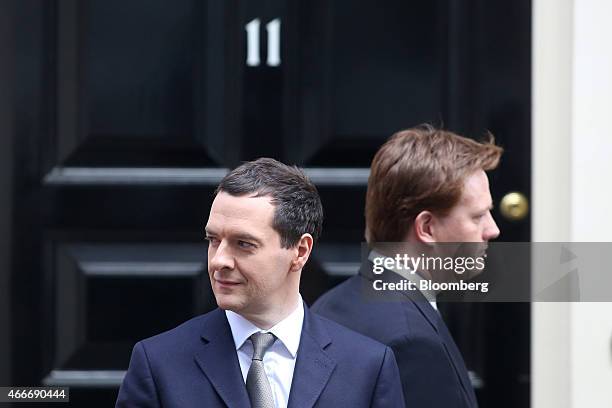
(426, 187)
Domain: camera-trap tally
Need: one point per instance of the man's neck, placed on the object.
(270, 318)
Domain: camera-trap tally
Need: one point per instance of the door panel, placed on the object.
(365, 72)
(141, 86)
(107, 296)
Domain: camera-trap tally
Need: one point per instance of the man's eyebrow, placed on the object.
(487, 208)
(243, 236)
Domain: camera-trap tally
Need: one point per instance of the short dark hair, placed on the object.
(298, 205)
(419, 169)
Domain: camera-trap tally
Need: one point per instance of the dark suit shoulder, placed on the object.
(386, 321)
(350, 286)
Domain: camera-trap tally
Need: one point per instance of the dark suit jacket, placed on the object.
(195, 365)
(431, 367)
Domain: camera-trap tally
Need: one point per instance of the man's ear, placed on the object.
(303, 249)
(424, 227)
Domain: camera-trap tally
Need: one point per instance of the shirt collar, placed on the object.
(288, 330)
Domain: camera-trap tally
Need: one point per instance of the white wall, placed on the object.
(591, 358)
(591, 128)
(572, 192)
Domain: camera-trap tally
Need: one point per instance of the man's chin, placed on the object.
(226, 302)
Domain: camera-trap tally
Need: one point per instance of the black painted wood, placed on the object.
(126, 116)
(6, 186)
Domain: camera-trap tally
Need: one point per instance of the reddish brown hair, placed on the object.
(419, 169)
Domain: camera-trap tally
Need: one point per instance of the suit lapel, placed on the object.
(313, 367)
(453, 352)
(449, 344)
(457, 361)
(218, 360)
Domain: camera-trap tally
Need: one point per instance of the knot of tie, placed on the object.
(261, 344)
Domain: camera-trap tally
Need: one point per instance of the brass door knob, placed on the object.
(514, 206)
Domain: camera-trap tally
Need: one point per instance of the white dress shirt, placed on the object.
(413, 277)
(279, 360)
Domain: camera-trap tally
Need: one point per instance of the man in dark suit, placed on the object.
(426, 187)
(262, 347)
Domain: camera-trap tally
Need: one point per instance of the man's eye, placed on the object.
(245, 245)
(483, 215)
(212, 240)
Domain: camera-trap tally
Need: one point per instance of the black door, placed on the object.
(126, 114)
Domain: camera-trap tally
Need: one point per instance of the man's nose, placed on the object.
(491, 231)
(220, 258)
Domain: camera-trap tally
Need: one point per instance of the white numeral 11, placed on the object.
(273, 31)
